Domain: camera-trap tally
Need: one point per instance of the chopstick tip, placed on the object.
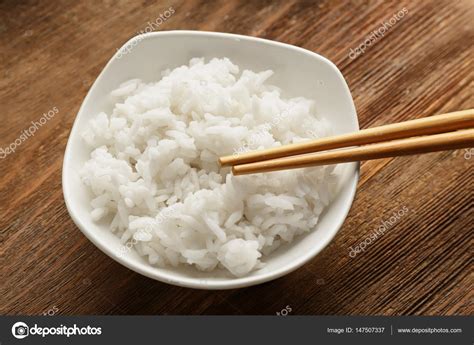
(224, 161)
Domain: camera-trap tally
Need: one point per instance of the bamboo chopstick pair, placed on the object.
(435, 133)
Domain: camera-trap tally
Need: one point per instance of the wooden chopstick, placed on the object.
(428, 125)
(400, 147)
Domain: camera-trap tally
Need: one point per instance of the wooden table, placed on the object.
(50, 53)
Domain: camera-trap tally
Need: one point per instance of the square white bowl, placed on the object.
(298, 72)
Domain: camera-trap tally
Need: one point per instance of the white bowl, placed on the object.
(298, 72)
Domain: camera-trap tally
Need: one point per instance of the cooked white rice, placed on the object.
(155, 178)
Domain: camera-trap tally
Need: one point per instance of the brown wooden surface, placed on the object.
(51, 51)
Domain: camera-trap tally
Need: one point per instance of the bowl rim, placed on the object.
(195, 282)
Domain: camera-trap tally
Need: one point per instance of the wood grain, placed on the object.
(51, 51)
